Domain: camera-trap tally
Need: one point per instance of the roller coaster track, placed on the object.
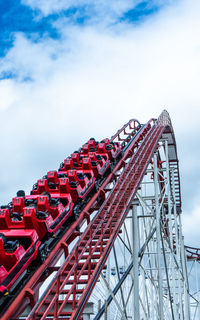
(88, 242)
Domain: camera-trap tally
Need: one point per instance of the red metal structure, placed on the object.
(102, 217)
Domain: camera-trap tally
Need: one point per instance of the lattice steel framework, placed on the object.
(124, 257)
(154, 282)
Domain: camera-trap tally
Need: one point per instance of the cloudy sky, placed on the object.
(73, 69)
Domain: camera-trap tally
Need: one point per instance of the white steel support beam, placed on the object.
(158, 235)
(149, 281)
(114, 298)
(136, 310)
(197, 287)
(178, 251)
(173, 266)
(184, 268)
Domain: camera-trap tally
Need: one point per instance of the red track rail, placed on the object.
(28, 296)
(132, 124)
(84, 263)
(192, 253)
(83, 266)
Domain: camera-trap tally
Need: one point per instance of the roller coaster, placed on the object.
(101, 237)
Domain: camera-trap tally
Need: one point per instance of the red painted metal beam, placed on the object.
(132, 124)
(24, 298)
(192, 253)
(83, 265)
(101, 232)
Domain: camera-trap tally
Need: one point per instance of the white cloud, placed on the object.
(90, 82)
(28, 59)
(103, 9)
(8, 94)
(53, 6)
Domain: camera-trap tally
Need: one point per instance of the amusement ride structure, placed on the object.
(101, 238)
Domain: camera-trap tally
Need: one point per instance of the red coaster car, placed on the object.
(18, 249)
(51, 212)
(38, 212)
(27, 221)
(113, 149)
(79, 183)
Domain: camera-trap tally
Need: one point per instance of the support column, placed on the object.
(184, 268)
(158, 236)
(171, 232)
(197, 286)
(136, 306)
(108, 289)
(178, 250)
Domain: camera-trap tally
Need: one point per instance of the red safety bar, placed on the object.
(83, 265)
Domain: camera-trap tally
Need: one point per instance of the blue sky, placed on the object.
(17, 16)
(74, 69)
(39, 21)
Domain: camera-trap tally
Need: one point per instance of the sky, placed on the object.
(71, 70)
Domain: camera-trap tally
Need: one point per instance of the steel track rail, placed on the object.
(29, 293)
(132, 124)
(83, 266)
(192, 253)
